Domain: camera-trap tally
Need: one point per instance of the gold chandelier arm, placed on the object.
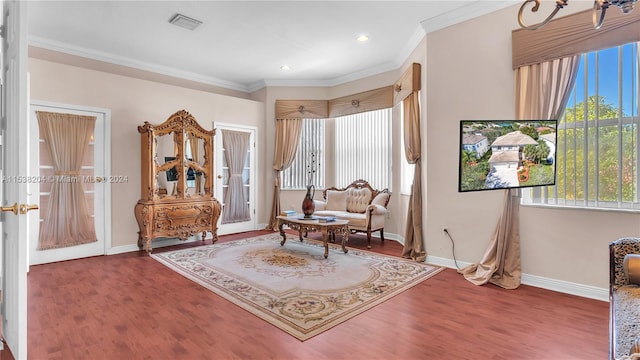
(559, 5)
(602, 5)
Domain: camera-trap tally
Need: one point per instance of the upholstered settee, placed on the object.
(364, 207)
(624, 299)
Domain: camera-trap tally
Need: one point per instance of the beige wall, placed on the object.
(469, 76)
(133, 101)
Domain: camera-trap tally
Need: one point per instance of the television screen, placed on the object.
(172, 174)
(504, 154)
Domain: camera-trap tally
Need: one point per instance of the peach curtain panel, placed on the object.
(573, 35)
(542, 92)
(67, 221)
(287, 138)
(236, 207)
(413, 243)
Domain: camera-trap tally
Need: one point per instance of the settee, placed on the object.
(624, 299)
(364, 207)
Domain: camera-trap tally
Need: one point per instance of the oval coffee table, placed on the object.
(301, 224)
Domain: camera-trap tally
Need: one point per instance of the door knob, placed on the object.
(13, 208)
(219, 176)
(24, 208)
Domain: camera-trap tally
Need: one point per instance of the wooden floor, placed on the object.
(129, 306)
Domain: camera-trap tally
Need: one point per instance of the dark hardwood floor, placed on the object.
(129, 306)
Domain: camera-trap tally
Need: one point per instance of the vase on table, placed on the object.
(308, 207)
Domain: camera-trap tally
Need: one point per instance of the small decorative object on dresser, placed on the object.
(189, 207)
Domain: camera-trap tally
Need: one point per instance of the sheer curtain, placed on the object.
(287, 137)
(542, 92)
(194, 141)
(413, 245)
(67, 221)
(236, 208)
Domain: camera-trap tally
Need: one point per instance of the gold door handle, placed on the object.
(219, 176)
(13, 208)
(24, 208)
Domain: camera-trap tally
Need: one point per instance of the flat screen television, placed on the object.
(505, 154)
(172, 174)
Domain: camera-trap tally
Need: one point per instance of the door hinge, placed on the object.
(3, 30)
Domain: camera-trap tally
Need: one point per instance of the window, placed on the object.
(597, 140)
(363, 148)
(309, 158)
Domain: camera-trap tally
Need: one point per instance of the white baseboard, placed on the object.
(562, 286)
(157, 243)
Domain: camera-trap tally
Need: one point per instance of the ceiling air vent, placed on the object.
(185, 21)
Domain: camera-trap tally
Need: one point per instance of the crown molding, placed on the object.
(465, 12)
(92, 54)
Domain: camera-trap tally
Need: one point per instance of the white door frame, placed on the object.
(15, 158)
(248, 225)
(102, 201)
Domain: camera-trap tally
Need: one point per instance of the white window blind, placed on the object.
(308, 165)
(598, 148)
(363, 148)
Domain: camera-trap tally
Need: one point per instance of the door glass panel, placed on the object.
(165, 153)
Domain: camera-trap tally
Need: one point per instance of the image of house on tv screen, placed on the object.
(506, 154)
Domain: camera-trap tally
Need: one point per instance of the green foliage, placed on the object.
(603, 109)
(610, 166)
(469, 156)
(529, 131)
(536, 153)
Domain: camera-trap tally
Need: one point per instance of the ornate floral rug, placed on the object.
(293, 286)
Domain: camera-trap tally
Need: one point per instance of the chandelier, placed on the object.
(599, 10)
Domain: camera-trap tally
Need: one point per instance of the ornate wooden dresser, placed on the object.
(177, 181)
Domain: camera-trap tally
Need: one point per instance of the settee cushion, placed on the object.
(358, 200)
(631, 267)
(356, 220)
(381, 199)
(337, 200)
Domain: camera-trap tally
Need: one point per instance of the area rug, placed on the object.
(293, 286)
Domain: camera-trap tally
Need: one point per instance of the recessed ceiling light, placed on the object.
(285, 67)
(363, 38)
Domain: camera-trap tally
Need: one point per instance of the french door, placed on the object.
(227, 224)
(93, 176)
(13, 193)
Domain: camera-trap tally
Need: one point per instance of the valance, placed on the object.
(381, 98)
(302, 109)
(409, 82)
(573, 35)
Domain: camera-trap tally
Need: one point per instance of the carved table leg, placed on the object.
(284, 236)
(345, 238)
(325, 239)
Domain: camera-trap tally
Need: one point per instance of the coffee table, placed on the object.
(298, 222)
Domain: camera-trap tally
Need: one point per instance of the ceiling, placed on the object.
(242, 45)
